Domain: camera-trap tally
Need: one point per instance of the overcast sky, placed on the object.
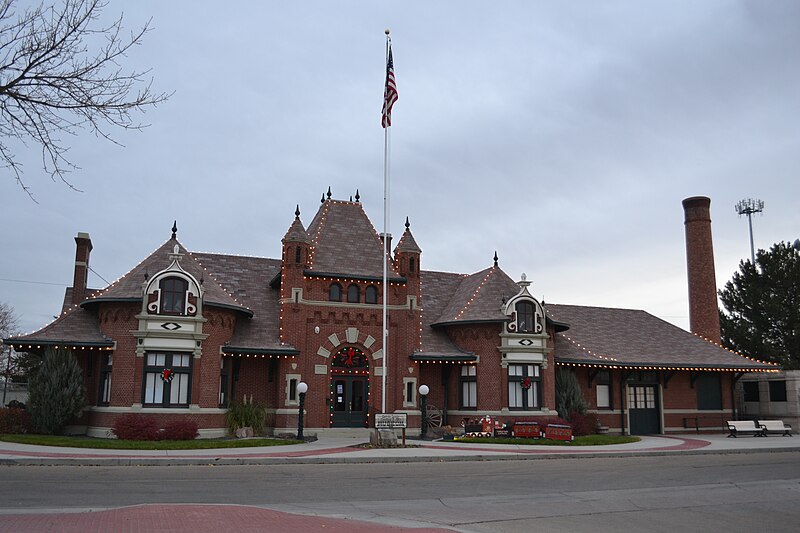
(563, 135)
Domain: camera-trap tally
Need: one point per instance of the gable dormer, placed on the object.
(524, 337)
(173, 291)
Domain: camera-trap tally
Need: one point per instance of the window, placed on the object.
(525, 317)
(371, 295)
(173, 295)
(104, 394)
(777, 391)
(335, 293)
(524, 387)
(469, 387)
(412, 264)
(290, 390)
(750, 391)
(353, 294)
(709, 391)
(167, 379)
(409, 392)
(603, 389)
(298, 255)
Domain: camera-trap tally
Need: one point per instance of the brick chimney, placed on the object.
(83, 247)
(703, 310)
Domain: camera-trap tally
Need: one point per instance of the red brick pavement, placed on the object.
(190, 518)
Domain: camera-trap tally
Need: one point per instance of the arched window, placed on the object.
(371, 295)
(335, 293)
(353, 293)
(411, 264)
(298, 255)
(525, 317)
(173, 295)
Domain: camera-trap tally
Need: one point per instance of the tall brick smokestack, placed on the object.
(83, 247)
(703, 310)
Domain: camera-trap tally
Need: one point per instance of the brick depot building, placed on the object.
(183, 333)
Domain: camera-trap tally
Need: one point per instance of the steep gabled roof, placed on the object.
(634, 338)
(407, 242)
(345, 243)
(248, 278)
(129, 286)
(296, 232)
(479, 298)
(437, 290)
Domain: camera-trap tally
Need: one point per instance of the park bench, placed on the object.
(735, 427)
(774, 426)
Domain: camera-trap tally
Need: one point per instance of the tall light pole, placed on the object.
(749, 207)
(302, 387)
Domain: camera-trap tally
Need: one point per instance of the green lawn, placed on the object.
(588, 440)
(117, 444)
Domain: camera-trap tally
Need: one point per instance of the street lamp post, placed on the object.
(423, 404)
(302, 387)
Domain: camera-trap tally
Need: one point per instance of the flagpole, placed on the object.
(385, 323)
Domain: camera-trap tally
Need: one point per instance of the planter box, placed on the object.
(558, 432)
(528, 430)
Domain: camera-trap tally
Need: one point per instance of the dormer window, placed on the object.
(525, 317)
(173, 295)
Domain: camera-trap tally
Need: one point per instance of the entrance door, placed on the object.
(349, 398)
(643, 409)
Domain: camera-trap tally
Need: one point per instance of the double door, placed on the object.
(349, 399)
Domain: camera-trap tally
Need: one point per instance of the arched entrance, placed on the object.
(349, 401)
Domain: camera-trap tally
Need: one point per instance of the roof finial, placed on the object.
(408, 224)
(358, 196)
(495, 258)
(322, 200)
(174, 229)
(351, 197)
(297, 212)
(329, 192)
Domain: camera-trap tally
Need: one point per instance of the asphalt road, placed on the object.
(728, 492)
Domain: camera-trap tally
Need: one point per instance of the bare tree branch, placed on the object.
(60, 73)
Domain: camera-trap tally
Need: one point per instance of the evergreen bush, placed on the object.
(569, 398)
(56, 392)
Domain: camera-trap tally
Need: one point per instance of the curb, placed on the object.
(272, 461)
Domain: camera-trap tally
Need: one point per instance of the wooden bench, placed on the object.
(735, 427)
(774, 426)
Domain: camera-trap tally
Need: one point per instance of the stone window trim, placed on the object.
(290, 391)
(410, 401)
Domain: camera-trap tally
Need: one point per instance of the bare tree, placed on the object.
(8, 327)
(60, 73)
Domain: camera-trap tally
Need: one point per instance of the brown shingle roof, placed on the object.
(437, 290)
(345, 242)
(630, 337)
(248, 280)
(408, 243)
(129, 286)
(77, 327)
(296, 232)
(479, 298)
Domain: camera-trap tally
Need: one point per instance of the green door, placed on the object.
(349, 400)
(643, 409)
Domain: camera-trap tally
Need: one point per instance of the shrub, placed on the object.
(584, 424)
(180, 430)
(55, 392)
(14, 420)
(569, 398)
(133, 426)
(547, 420)
(246, 414)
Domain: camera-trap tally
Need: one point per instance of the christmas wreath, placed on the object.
(526, 383)
(167, 375)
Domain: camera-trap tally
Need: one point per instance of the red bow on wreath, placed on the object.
(526, 383)
(167, 375)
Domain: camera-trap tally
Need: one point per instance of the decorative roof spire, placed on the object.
(408, 224)
(329, 192)
(495, 258)
(174, 230)
(322, 200)
(351, 197)
(297, 212)
(358, 196)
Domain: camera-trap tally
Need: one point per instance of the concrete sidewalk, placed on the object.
(354, 450)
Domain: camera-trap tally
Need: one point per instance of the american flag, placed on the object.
(389, 92)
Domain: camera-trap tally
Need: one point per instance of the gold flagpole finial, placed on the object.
(386, 31)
